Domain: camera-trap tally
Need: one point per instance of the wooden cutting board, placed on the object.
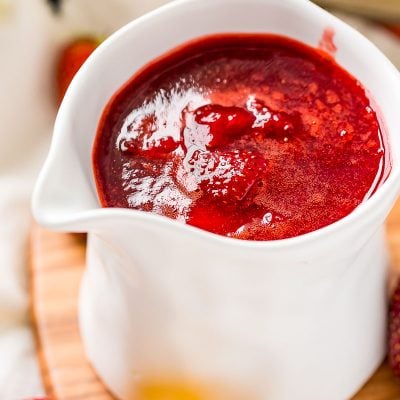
(57, 263)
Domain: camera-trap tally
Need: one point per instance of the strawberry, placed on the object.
(271, 123)
(226, 176)
(71, 59)
(393, 28)
(225, 123)
(144, 140)
(394, 331)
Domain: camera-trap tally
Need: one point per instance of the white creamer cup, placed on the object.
(301, 318)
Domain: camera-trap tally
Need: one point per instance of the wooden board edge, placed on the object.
(34, 312)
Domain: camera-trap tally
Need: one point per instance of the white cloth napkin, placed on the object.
(30, 38)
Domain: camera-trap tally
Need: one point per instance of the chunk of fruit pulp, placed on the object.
(225, 123)
(226, 176)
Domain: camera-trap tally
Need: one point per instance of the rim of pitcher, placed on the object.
(389, 188)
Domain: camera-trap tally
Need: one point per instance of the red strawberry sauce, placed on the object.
(250, 136)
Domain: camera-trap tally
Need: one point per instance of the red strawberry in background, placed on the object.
(394, 331)
(71, 59)
(393, 28)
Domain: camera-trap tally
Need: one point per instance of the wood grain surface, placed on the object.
(57, 263)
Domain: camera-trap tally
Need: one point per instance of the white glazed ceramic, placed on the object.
(301, 318)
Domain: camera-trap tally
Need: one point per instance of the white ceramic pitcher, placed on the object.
(163, 303)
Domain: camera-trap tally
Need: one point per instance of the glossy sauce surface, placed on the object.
(250, 136)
